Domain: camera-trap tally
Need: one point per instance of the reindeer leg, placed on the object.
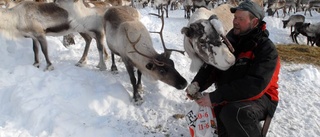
(114, 68)
(136, 96)
(167, 11)
(100, 40)
(292, 36)
(106, 56)
(295, 38)
(83, 59)
(159, 8)
(139, 85)
(36, 53)
(44, 48)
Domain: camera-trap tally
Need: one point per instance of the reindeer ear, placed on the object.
(186, 31)
(216, 23)
(149, 66)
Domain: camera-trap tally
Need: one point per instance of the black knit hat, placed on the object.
(250, 6)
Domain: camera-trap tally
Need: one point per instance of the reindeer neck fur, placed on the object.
(9, 23)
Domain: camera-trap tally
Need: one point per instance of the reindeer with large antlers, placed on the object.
(129, 38)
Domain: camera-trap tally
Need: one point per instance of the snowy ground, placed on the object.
(85, 102)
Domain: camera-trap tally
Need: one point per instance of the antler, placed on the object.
(166, 51)
(155, 61)
(134, 44)
(228, 43)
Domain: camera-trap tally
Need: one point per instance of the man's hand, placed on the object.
(204, 101)
(192, 91)
(193, 88)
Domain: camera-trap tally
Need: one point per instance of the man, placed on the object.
(247, 92)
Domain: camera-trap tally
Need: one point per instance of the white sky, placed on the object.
(84, 102)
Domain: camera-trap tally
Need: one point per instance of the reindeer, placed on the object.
(312, 4)
(274, 6)
(292, 20)
(89, 23)
(175, 5)
(205, 41)
(224, 15)
(36, 21)
(311, 31)
(162, 4)
(129, 38)
(235, 3)
(101, 5)
(302, 5)
(39, 21)
(200, 4)
(291, 5)
(187, 5)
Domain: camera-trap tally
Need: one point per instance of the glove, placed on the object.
(192, 91)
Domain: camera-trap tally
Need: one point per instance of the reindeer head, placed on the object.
(207, 40)
(285, 22)
(160, 66)
(163, 69)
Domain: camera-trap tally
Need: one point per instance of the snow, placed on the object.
(73, 101)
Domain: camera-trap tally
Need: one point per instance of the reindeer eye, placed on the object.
(204, 46)
(162, 71)
(202, 41)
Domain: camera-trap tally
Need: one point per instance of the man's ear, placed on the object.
(255, 21)
(149, 66)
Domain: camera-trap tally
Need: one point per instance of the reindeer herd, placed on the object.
(311, 31)
(114, 25)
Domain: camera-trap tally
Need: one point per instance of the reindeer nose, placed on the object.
(182, 84)
(230, 59)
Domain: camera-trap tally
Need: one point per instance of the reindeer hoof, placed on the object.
(102, 66)
(114, 69)
(81, 63)
(49, 68)
(140, 89)
(36, 65)
(138, 102)
(137, 99)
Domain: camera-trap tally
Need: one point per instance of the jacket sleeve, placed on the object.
(205, 77)
(256, 80)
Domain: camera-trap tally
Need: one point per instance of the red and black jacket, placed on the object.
(254, 74)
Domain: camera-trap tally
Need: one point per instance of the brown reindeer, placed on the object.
(130, 39)
(35, 20)
(275, 5)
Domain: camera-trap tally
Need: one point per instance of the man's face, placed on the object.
(242, 22)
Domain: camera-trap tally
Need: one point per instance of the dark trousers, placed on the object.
(241, 119)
